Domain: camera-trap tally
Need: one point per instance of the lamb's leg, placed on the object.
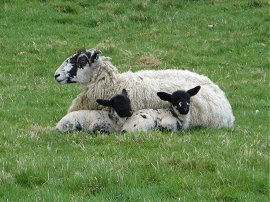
(67, 125)
(170, 123)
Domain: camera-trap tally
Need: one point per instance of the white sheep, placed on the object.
(102, 80)
(99, 120)
(177, 117)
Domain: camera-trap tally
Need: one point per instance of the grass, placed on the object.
(225, 40)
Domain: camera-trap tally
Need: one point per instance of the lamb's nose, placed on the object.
(186, 110)
(56, 75)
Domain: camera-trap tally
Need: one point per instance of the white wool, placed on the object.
(149, 119)
(210, 106)
(90, 120)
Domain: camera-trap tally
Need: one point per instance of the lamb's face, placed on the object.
(120, 105)
(77, 68)
(180, 100)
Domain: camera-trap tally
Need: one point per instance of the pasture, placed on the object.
(225, 40)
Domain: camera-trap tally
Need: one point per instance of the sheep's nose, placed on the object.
(56, 75)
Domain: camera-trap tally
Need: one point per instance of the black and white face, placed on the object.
(78, 68)
(180, 100)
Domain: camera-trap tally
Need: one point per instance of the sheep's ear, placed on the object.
(194, 91)
(124, 92)
(164, 96)
(94, 56)
(104, 102)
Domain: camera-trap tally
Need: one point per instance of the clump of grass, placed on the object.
(6, 178)
(149, 61)
(67, 8)
(259, 3)
(106, 45)
(142, 18)
(142, 6)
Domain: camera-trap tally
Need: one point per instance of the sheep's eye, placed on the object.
(82, 61)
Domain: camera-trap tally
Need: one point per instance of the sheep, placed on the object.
(98, 120)
(102, 80)
(178, 117)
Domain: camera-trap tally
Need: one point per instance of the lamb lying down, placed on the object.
(174, 119)
(98, 120)
(120, 117)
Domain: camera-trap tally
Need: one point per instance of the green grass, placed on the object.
(226, 40)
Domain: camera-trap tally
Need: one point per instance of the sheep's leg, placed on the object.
(67, 125)
(170, 123)
(100, 125)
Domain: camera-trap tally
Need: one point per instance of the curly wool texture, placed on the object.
(210, 107)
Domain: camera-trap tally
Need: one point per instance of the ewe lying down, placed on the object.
(102, 80)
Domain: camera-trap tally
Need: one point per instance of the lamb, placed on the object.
(98, 120)
(102, 80)
(178, 117)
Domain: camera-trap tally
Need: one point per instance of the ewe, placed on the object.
(102, 80)
(98, 120)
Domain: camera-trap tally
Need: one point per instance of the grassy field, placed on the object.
(225, 40)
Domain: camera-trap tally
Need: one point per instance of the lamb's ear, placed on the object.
(94, 56)
(124, 92)
(104, 102)
(194, 91)
(164, 96)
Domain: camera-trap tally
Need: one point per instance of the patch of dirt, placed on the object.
(35, 130)
(149, 61)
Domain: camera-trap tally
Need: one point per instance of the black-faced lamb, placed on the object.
(99, 120)
(102, 80)
(177, 117)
